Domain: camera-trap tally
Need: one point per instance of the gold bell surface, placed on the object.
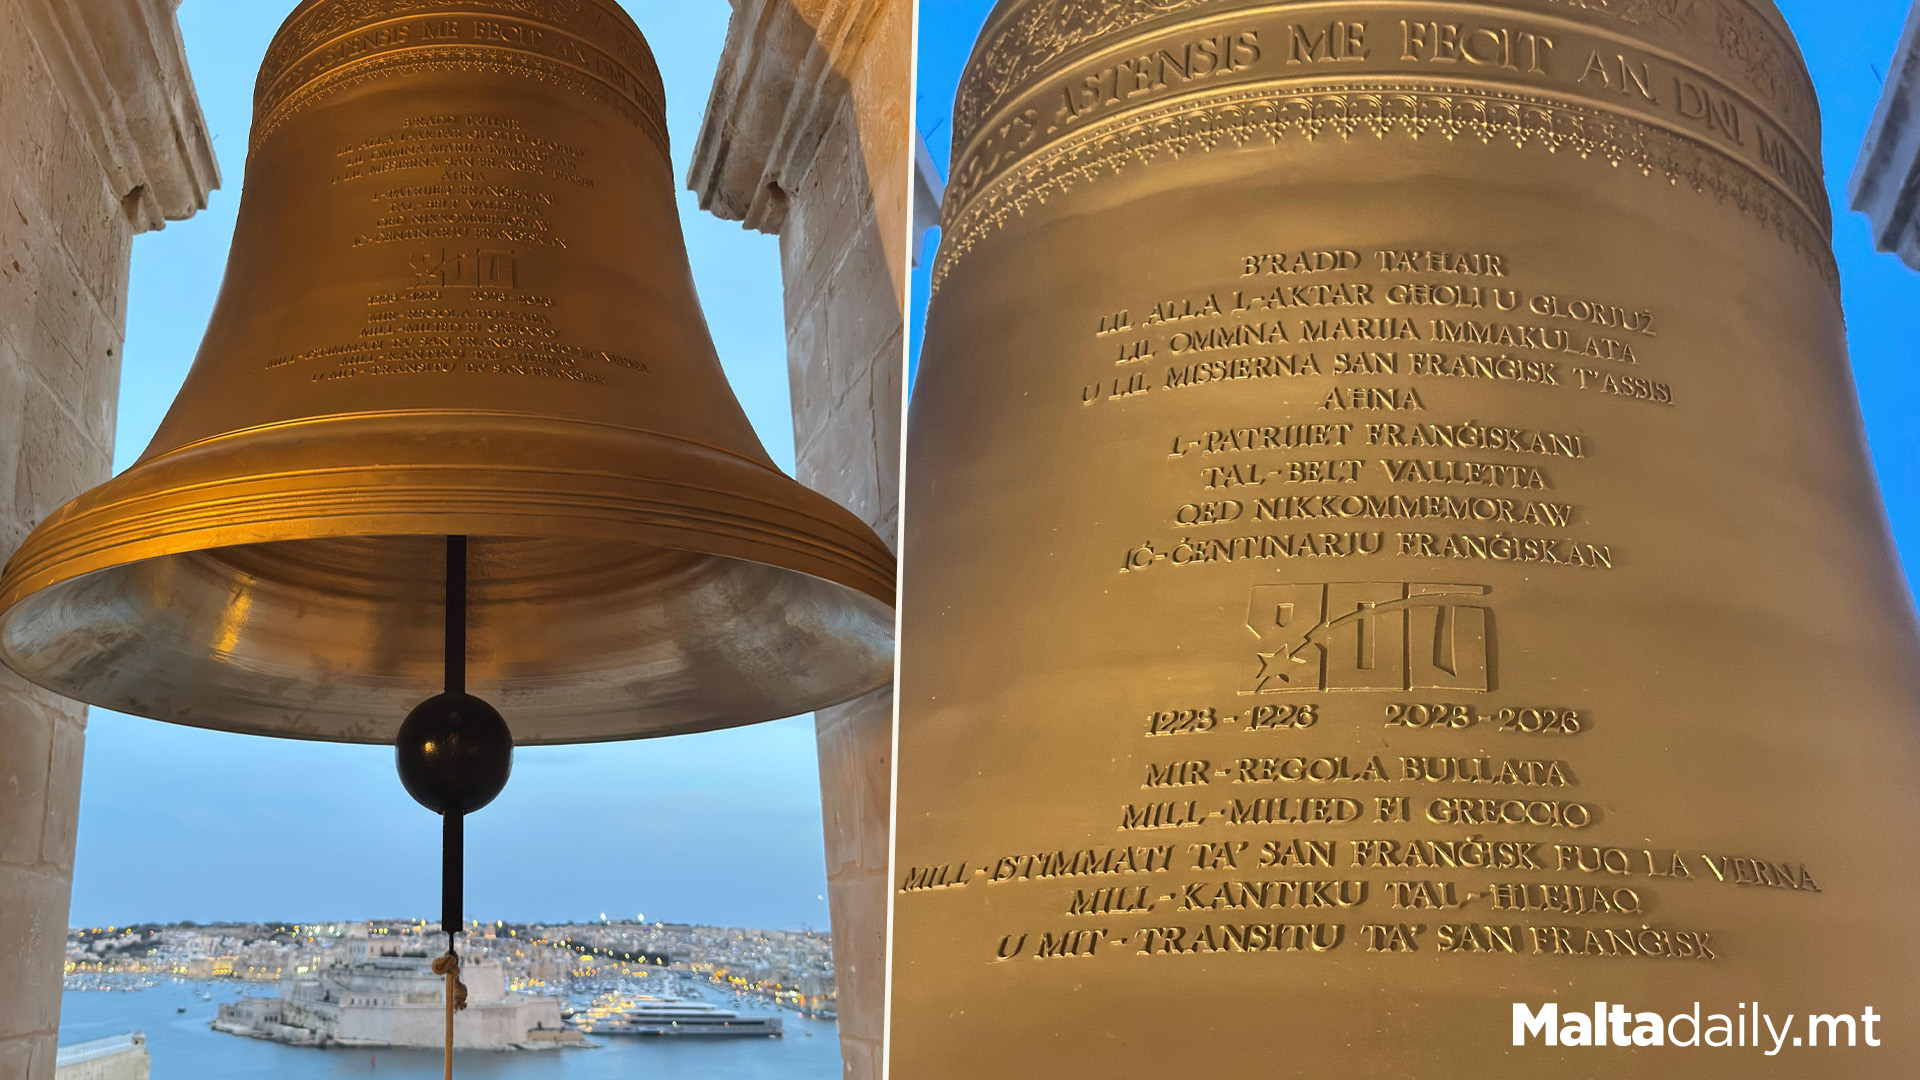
(458, 303)
(1400, 465)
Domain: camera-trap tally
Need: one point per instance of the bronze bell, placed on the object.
(458, 303)
(1400, 465)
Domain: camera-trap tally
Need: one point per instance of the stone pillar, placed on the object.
(101, 137)
(807, 135)
(929, 191)
(1886, 181)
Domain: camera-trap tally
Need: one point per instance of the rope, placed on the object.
(456, 995)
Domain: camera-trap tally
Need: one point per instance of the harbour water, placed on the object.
(185, 1048)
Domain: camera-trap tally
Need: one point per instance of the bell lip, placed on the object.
(230, 725)
(765, 517)
(491, 689)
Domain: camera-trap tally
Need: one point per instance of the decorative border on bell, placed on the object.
(1044, 30)
(183, 503)
(1265, 116)
(316, 21)
(496, 61)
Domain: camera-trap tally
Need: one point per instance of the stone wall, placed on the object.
(808, 135)
(100, 138)
(1886, 180)
(120, 1057)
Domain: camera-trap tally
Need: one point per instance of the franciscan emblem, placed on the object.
(1370, 635)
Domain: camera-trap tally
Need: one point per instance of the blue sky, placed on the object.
(1847, 44)
(178, 823)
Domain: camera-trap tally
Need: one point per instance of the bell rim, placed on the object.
(486, 474)
(530, 718)
(71, 543)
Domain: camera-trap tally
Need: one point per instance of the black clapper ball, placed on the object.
(454, 753)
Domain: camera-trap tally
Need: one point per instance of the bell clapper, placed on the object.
(454, 754)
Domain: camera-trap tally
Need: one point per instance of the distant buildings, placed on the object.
(386, 995)
(369, 983)
(791, 968)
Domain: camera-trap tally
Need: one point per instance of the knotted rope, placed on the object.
(456, 994)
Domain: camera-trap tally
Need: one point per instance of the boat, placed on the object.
(646, 1015)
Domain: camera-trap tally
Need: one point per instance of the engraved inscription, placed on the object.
(1173, 65)
(1363, 432)
(564, 43)
(458, 211)
(1575, 65)
(1475, 45)
(465, 238)
(458, 146)
(993, 185)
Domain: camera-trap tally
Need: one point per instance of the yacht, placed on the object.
(670, 1016)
